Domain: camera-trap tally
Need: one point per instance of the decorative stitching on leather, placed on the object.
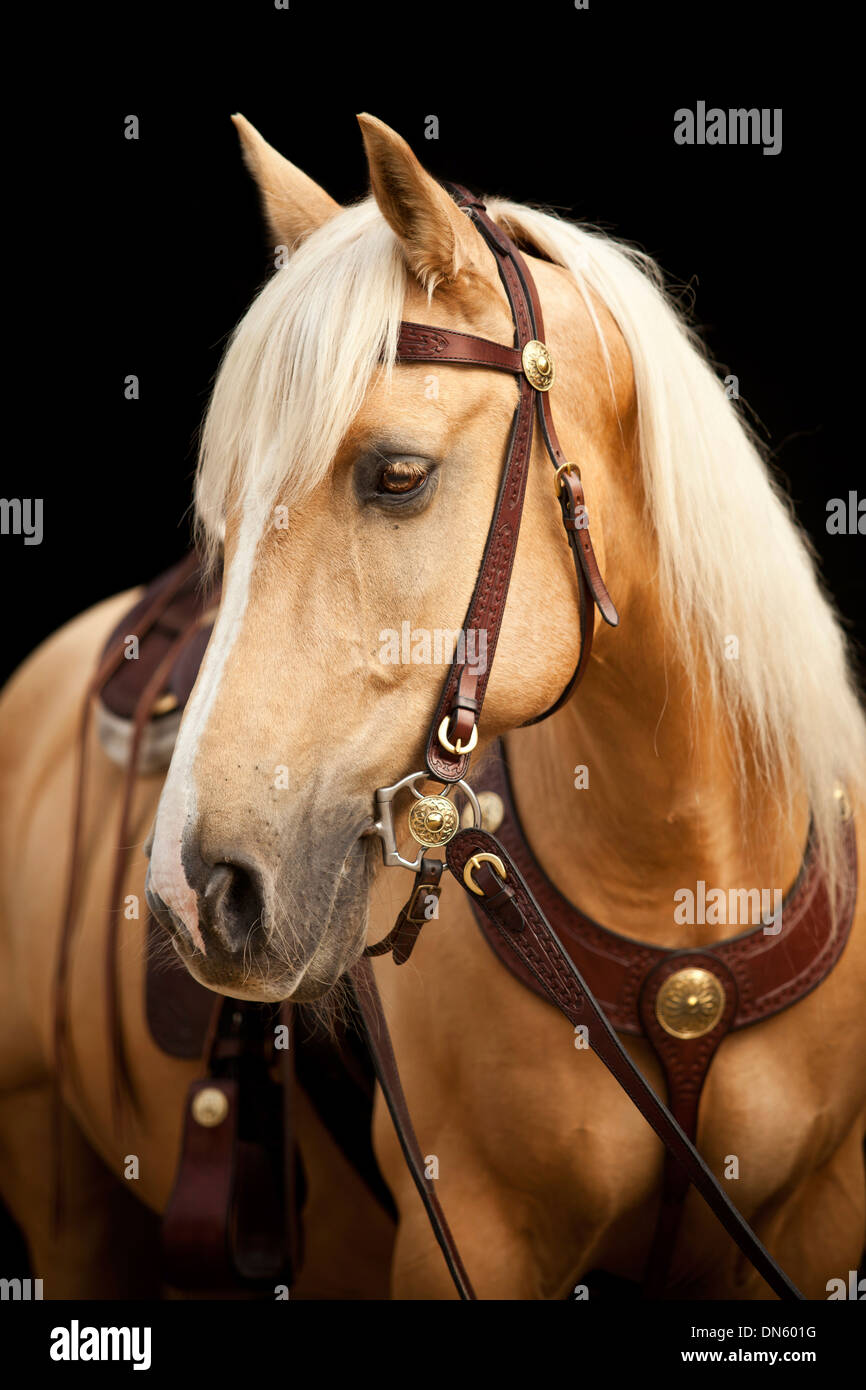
(418, 338)
(586, 941)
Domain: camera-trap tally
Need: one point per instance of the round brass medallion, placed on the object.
(492, 812)
(690, 1003)
(433, 820)
(210, 1107)
(538, 365)
(165, 704)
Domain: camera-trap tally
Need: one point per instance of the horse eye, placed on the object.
(401, 477)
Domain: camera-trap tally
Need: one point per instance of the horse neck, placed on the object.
(666, 804)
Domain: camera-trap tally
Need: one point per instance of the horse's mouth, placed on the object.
(266, 974)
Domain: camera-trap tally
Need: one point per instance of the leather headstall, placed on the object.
(453, 732)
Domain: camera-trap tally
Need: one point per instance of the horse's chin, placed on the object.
(269, 983)
(301, 963)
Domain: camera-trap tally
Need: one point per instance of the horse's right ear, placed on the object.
(293, 204)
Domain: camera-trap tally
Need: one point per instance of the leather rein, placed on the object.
(477, 860)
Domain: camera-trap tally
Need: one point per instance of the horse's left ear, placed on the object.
(439, 240)
(293, 204)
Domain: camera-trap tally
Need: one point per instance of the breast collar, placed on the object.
(763, 970)
(684, 1002)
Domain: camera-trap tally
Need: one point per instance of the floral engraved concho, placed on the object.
(433, 820)
(690, 1003)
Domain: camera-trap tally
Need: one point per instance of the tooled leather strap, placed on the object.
(463, 694)
(378, 1041)
(760, 974)
(418, 343)
(528, 936)
(570, 489)
(686, 1062)
(772, 970)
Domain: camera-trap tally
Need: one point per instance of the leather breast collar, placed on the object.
(767, 972)
(685, 1002)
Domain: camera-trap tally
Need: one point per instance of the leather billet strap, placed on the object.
(232, 1217)
(195, 1242)
(381, 1051)
(463, 693)
(404, 933)
(527, 935)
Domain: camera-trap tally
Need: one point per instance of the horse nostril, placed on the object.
(231, 904)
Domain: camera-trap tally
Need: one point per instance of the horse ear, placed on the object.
(293, 204)
(439, 241)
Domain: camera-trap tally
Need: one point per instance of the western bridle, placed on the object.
(474, 856)
(454, 730)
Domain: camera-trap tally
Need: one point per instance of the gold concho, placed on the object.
(492, 812)
(538, 365)
(433, 820)
(690, 1003)
(165, 704)
(210, 1107)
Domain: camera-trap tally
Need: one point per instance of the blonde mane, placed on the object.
(731, 558)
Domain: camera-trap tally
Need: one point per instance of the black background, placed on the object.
(139, 256)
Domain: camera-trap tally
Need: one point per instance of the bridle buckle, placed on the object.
(457, 747)
(475, 863)
(564, 468)
(419, 895)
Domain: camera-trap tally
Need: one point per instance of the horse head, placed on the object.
(350, 498)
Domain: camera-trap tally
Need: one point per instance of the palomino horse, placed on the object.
(350, 496)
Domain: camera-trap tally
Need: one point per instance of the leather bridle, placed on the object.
(476, 858)
(454, 729)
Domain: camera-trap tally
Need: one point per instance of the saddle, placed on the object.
(162, 637)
